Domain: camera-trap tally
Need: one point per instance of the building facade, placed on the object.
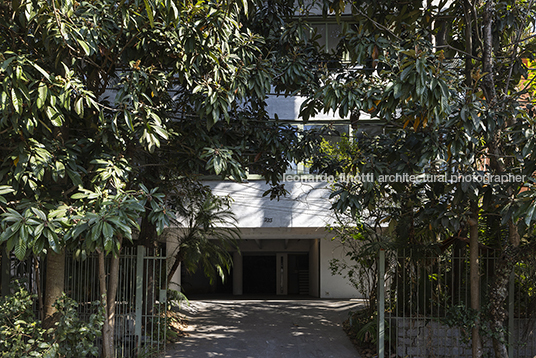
(285, 248)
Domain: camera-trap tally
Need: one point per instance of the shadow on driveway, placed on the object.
(266, 329)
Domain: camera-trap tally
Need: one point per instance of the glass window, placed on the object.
(329, 35)
(334, 34)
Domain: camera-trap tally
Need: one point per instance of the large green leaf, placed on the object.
(42, 95)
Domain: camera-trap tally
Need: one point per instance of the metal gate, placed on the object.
(141, 309)
(423, 300)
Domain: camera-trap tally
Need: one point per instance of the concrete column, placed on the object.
(314, 268)
(237, 274)
(171, 250)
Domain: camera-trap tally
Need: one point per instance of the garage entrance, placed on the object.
(283, 274)
(259, 274)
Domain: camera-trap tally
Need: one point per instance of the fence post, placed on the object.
(6, 273)
(511, 302)
(139, 293)
(381, 304)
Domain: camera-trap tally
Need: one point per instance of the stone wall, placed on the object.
(424, 338)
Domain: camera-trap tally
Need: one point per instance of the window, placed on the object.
(330, 34)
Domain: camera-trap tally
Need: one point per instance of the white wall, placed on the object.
(307, 205)
(333, 286)
(288, 108)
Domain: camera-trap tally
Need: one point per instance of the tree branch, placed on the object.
(514, 51)
(377, 24)
(460, 51)
(56, 16)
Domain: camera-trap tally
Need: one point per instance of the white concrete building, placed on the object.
(285, 248)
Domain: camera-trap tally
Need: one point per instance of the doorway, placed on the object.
(259, 274)
(298, 274)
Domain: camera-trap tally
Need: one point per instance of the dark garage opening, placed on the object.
(259, 274)
(197, 283)
(298, 274)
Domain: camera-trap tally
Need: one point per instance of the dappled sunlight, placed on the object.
(267, 328)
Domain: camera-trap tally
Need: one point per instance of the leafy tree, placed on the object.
(450, 81)
(102, 98)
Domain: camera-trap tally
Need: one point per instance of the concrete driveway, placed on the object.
(266, 329)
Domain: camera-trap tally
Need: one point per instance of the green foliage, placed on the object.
(452, 85)
(363, 327)
(466, 318)
(106, 220)
(210, 232)
(439, 118)
(101, 96)
(176, 298)
(175, 321)
(74, 336)
(32, 230)
(21, 334)
(524, 285)
(462, 317)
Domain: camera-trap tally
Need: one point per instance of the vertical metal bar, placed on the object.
(381, 304)
(144, 302)
(396, 296)
(164, 285)
(511, 302)
(139, 293)
(120, 308)
(68, 273)
(389, 310)
(403, 300)
(132, 290)
(6, 274)
(153, 296)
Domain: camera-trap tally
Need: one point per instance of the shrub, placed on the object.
(76, 337)
(21, 334)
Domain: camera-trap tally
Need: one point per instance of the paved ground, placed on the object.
(266, 329)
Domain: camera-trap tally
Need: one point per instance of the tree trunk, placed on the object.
(176, 263)
(498, 295)
(108, 293)
(499, 291)
(54, 286)
(107, 332)
(475, 278)
(468, 43)
(40, 314)
(113, 282)
(148, 235)
(488, 81)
